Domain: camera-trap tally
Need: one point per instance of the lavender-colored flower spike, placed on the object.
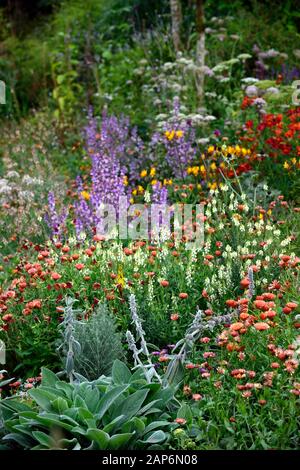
(54, 220)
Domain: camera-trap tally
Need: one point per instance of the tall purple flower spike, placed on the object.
(55, 221)
(179, 151)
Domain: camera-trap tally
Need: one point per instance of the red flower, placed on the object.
(79, 266)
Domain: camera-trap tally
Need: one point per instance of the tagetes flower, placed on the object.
(143, 173)
(125, 181)
(152, 172)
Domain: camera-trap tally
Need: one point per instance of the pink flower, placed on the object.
(197, 396)
(79, 266)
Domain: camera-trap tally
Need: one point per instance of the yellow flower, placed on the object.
(286, 166)
(210, 149)
(170, 135)
(213, 166)
(131, 200)
(153, 182)
(134, 192)
(120, 277)
(140, 189)
(85, 195)
(237, 149)
(202, 169)
(168, 182)
(152, 172)
(143, 173)
(212, 185)
(125, 181)
(294, 161)
(179, 134)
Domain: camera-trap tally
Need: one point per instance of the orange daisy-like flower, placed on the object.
(261, 326)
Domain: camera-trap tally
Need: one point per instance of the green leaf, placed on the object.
(49, 378)
(100, 437)
(119, 440)
(108, 399)
(156, 424)
(185, 413)
(70, 444)
(20, 439)
(135, 424)
(132, 404)
(149, 408)
(120, 373)
(66, 388)
(156, 437)
(42, 398)
(60, 405)
(112, 425)
(60, 79)
(92, 399)
(44, 439)
(53, 420)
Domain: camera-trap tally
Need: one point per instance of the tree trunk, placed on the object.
(176, 15)
(200, 50)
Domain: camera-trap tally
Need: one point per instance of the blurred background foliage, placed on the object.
(61, 54)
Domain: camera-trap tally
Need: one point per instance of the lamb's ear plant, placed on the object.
(69, 346)
(122, 411)
(175, 370)
(141, 355)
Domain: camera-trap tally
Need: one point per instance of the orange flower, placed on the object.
(261, 326)
(245, 283)
(174, 316)
(183, 295)
(55, 276)
(236, 326)
(79, 266)
(291, 305)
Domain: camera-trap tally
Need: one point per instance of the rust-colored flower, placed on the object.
(261, 326)
(183, 295)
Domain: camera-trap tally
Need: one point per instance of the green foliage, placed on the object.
(100, 344)
(117, 412)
